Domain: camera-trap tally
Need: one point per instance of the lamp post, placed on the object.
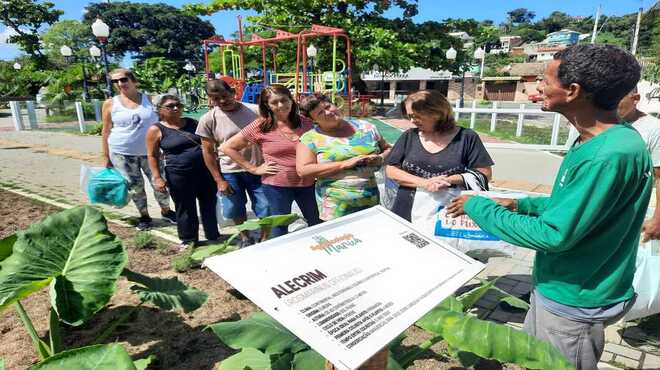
(311, 53)
(451, 55)
(102, 31)
(67, 53)
(190, 68)
(376, 69)
(480, 54)
(17, 66)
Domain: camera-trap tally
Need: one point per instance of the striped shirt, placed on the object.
(281, 150)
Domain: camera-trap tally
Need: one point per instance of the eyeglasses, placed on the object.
(173, 106)
(411, 117)
(118, 80)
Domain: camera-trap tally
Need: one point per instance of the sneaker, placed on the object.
(144, 223)
(169, 216)
(185, 245)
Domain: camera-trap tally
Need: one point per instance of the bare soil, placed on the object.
(178, 340)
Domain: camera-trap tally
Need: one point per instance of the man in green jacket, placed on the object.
(586, 234)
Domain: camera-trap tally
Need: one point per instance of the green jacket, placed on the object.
(586, 234)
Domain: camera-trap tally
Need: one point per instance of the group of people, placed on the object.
(586, 233)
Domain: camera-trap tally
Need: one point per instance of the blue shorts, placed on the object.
(233, 206)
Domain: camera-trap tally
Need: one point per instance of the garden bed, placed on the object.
(177, 340)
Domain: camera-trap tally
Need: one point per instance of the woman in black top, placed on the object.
(435, 153)
(188, 180)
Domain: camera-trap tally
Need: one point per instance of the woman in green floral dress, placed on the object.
(342, 155)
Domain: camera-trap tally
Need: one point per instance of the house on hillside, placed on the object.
(553, 42)
(507, 44)
(521, 82)
(468, 41)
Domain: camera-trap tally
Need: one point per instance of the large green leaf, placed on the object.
(270, 221)
(7, 246)
(281, 361)
(308, 360)
(392, 364)
(248, 358)
(143, 363)
(259, 331)
(2, 364)
(98, 357)
(167, 294)
(495, 341)
(75, 253)
(468, 299)
(450, 303)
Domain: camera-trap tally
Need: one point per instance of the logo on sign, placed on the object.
(335, 245)
(461, 227)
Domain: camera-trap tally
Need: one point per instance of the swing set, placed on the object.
(304, 81)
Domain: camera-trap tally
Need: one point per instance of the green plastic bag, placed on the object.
(108, 186)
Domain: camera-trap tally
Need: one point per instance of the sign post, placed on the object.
(348, 287)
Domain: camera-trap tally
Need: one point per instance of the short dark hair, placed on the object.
(269, 122)
(606, 72)
(218, 86)
(310, 102)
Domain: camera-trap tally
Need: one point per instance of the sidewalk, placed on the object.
(48, 164)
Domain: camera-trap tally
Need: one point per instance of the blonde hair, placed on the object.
(431, 102)
(127, 72)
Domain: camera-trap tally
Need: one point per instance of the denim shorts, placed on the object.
(233, 206)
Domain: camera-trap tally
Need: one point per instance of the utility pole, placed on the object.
(595, 32)
(633, 50)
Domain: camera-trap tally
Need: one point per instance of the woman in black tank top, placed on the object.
(186, 176)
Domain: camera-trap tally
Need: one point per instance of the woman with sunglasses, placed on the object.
(186, 175)
(126, 119)
(436, 154)
(343, 157)
(277, 133)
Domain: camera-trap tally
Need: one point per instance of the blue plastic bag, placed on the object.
(108, 186)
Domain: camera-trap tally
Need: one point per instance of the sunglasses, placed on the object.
(118, 80)
(173, 106)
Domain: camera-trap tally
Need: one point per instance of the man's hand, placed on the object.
(437, 183)
(108, 162)
(160, 185)
(651, 230)
(455, 207)
(224, 188)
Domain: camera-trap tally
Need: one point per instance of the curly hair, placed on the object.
(310, 102)
(605, 72)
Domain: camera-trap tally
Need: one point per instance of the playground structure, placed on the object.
(303, 81)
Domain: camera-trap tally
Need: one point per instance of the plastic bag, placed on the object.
(646, 281)
(104, 185)
(429, 213)
(218, 209)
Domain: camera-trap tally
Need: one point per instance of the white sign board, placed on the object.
(347, 287)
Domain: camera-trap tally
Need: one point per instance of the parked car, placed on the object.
(535, 98)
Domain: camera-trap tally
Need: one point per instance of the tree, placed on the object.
(392, 44)
(76, 35)
(555, 22)
(25, 18)
(151, 30)
(520, 15)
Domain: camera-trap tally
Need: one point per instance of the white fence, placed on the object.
(521, 111)
(19, 115)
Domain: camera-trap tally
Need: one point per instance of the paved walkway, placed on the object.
(48, 164)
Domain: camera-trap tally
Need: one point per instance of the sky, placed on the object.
(437, 10)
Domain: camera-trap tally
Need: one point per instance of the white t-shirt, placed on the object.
(649, 128)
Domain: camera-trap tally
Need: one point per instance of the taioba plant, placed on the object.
(266, 344)
(75, 254)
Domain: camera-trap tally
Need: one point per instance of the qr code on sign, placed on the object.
(415, 239)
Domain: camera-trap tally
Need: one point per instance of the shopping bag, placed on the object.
(218, 209)
(104, 185)
(646, 281)
(430, 214)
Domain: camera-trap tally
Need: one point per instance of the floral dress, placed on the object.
(350, 190)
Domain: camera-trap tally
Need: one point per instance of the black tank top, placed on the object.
(182, 147)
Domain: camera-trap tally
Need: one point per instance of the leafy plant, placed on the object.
(81, 260)
(143, 239)
(102, 356)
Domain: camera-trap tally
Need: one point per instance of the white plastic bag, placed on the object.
(86, 173)
(428, 213)
(218, 209)
(646, 281)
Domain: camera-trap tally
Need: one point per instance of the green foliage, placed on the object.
(6, 247)
(143, 364)
(75, 253)
(651, 72)
(185, 261)
(143, 239)
(101, 357)
(167, 294)
(74, 34)
(95, 130)
(151, 30)
(25, 18)
(25, 82)
(520, 15)
(156, 75)
(493, 341)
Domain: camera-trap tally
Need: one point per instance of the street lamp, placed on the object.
(376, 69)
(451, 55)
(480, 54)
(102, 31)
(190, 68)
(17, 66)
(67, 53)
(311, 53)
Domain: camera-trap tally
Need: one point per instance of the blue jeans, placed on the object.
(281, 198)
(233, 206)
